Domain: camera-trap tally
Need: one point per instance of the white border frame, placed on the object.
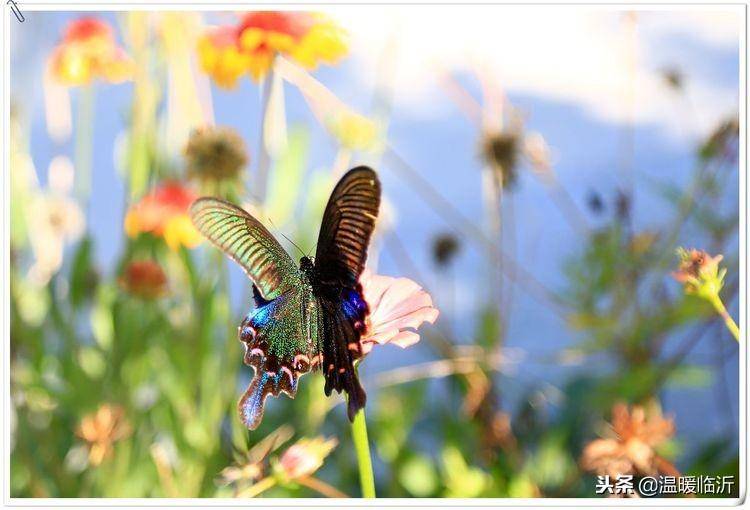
(116, 5)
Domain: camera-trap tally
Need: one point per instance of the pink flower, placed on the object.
(306, 456)
(398, 306)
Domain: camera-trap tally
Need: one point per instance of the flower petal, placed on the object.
(397, 307)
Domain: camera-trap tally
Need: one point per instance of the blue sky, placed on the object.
(566, 68)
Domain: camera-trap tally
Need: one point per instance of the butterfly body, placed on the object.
(308, 316)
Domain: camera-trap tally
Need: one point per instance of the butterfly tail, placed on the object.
(265, 382)
(253, 402)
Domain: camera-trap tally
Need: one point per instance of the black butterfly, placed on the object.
(308, 316)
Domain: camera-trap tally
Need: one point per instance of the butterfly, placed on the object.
(306, 317)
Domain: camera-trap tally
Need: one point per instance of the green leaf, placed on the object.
(92, 362)
(418, 476)
(522, 486)
(462, 480)
(395, 416)
(102, 322)
(693, 376)
(286, 178)
(551, 464)
(489, 331)
(83, 276)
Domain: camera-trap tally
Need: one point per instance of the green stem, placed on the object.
(255, 489)
(721, 309)
(364, 459)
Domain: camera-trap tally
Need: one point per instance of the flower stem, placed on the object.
(264, 158)
(364, 459)
(321, 487)
(84, 143)
(721, 309)
(258, 487)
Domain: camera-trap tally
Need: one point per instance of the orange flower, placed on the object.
(228, 52)
(632, 449)
(102, 429)
(164, 213)
(145, 279)
(699, 272)
(88, 51)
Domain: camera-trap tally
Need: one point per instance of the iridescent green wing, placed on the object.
(248, 243)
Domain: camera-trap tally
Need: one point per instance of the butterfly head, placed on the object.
(307, 264)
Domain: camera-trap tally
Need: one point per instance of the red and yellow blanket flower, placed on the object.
(227, 52)
(164, 213)
(88, 51)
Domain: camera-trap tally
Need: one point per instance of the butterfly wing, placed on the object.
(279, 348)
(348, 223)
(248, 243)
(274, 335)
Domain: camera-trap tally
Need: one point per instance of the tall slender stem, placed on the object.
(364, 460)
(728, 320)
(84, 143)
(264, 158)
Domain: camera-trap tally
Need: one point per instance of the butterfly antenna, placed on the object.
(285, 237)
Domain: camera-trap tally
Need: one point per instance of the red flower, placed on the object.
(164, 213)
(145, 279)
(88, 51)
(228, 52)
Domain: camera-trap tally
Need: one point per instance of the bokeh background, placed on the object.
(540, 166)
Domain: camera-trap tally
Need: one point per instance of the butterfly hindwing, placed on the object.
(348, 223)
(279, 348)
(341, 347)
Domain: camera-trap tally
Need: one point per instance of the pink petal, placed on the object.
(405, 339)
(382, 336)
(409, 319)
(397, 306)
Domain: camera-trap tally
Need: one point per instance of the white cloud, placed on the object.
(571, 54)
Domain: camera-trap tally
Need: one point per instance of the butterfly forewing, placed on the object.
(249, 243)
(348, 222)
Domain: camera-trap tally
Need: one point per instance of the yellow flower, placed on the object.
(100, 430)
(179, 231)
(228, 52)
(88, 51)
(355, 131)
(164, 213)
